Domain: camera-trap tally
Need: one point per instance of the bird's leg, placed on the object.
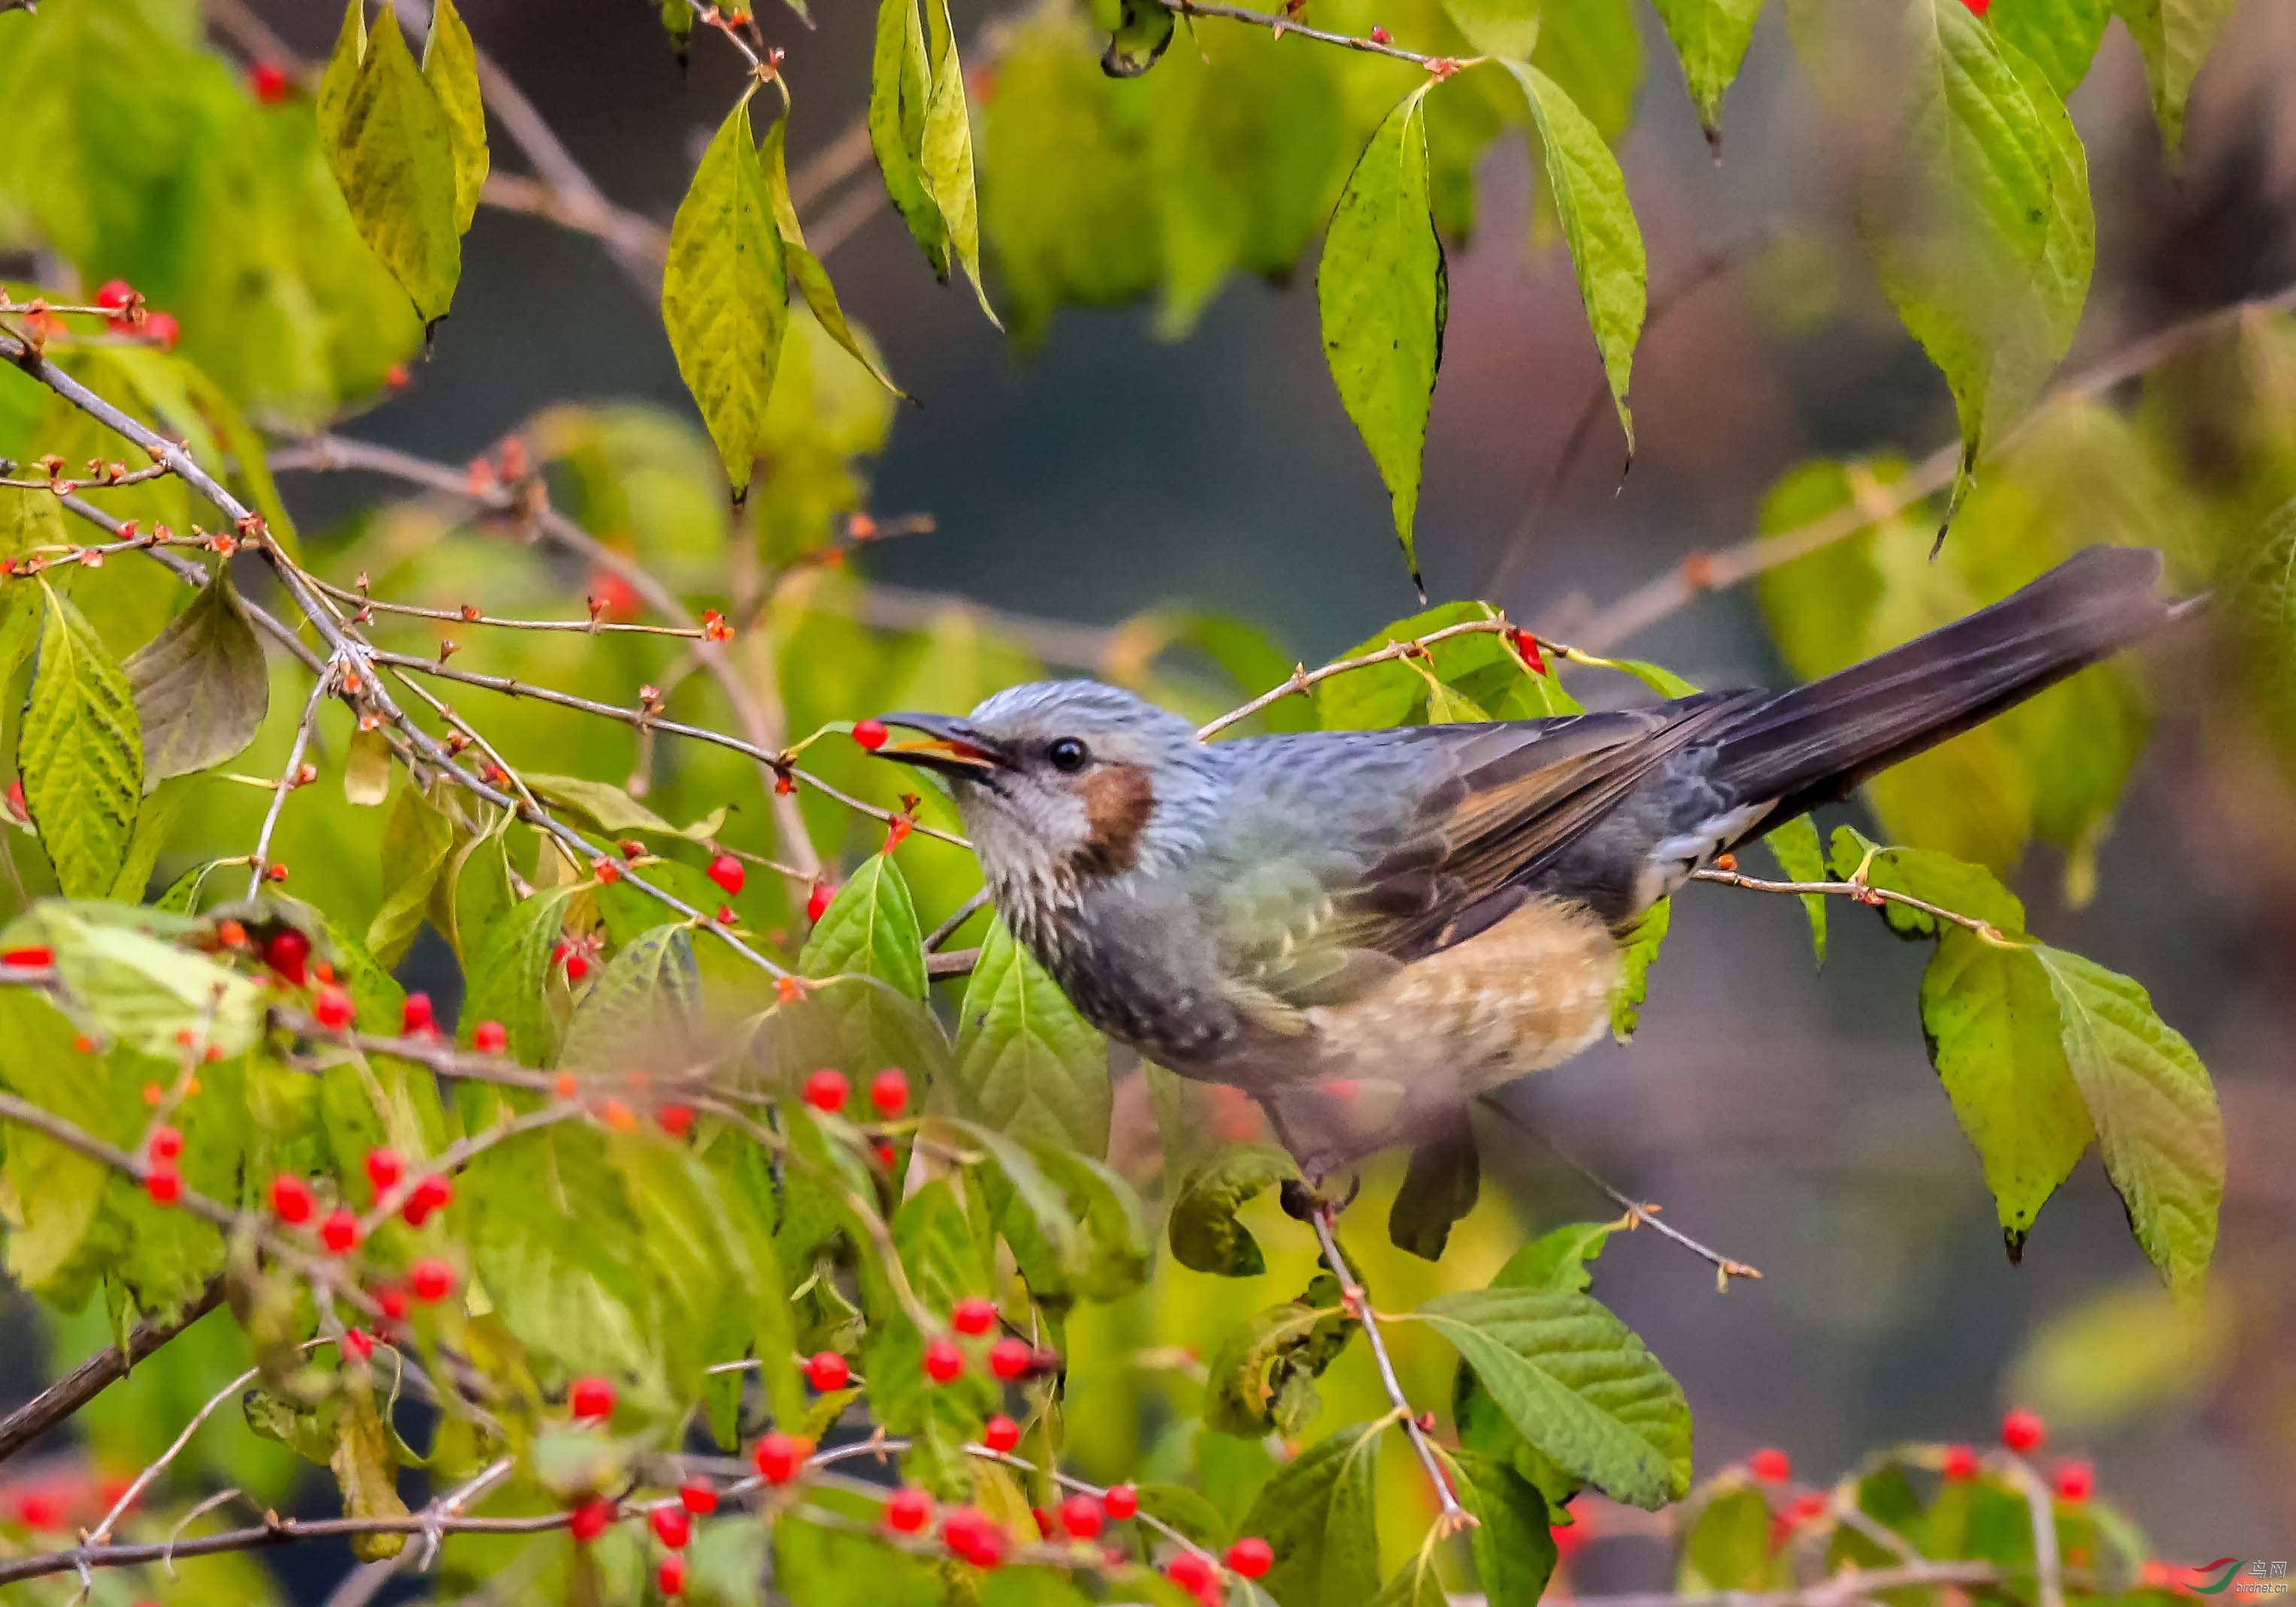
(1303, 1197)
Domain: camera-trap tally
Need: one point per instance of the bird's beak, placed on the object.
(948, 745)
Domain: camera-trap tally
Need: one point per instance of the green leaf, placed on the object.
(387, 143)
(873, 1014)
(155, 823)
(1513, 1542)
(1638, 949)
(200, 686)
(1142, 29)
(645, 1004)
(1556, 1260)
(1709, 40)
(1982, 228)
(2059, 37)
(142, 991)
(1026, 1063)
(1206, 1236)
(341, 72)
(450, 67)
(1577, 1385)
(1111, 1252)
(507, 973)
(1262, 1378)
(28, 519)
(2156, 1116)
(80, 752)
(417, 840)
(1497, 27)
(1598, 224)
(725, 296)
(1383, 292)
(2175, 36)
(1800, 858)
(365, 1464)
(812, 277)
(1318, 1514)
(826, 1566)
(900, 90)
(945, 159)
(1478, 666)
(1727, 1544)
(613, 811)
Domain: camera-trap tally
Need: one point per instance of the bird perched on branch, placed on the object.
(1415, 917)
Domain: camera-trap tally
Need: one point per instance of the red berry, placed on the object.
(907, 1511)
(1380, 35)
(416, 1017)
(290, 1200)
(943, 1360)
(395, 378)
(669, 1576)
(2076, 1481)
(285, 951)
(1000, 1433)
(166, 1144)
(1771, 1464)
(1044, 1521)
(115, 296)
(430, 1193)
(1081, 1516)
(971, 1534)
(577, 966)
(676, 1120)
(590, 1519)
(727, 873)
(1009, 1358)
(869, 734)
(698, 1497)
(590, 1398)
(780, 1456)
(1570, 1538)
(884, 1153)
(33, 957)
(390, 1299)
(826, 1091)
(430, 1280)
(384, 1168)
(333, 1007)
(827, 1370)
(268, 81)
(1121, 1501)
(1959, 1463)
(1189, 1571)
(340, 1233)
(163, 1185)
(1806, 1509)
(489, 1038)
(889, 1091)
(1978, 8)
(671, 1526)
(162, 330)
(972, 1314)
(816, 902)
(359, 1343)
(2023, 1430)
(1251, 1556)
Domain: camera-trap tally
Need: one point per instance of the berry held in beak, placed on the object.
(944, 743)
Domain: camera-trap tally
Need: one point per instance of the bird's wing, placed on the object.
(1398, 850)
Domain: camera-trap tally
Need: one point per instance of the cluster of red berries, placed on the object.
(827, 1090)
(976, 1537)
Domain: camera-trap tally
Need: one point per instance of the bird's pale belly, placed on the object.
(1528, 993)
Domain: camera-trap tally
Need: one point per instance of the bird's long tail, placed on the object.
(1813, 744)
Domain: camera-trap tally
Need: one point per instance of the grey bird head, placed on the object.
(1064, 784)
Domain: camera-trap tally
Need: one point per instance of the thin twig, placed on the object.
(1638, 1214)
(260, 864)
(1703, 572)
(1302, 677)
(1281, 23)
(1862, 893)
(65, 1397)
(1454, 1517)
(592, 627)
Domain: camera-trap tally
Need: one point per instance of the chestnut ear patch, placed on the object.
(1117, 799)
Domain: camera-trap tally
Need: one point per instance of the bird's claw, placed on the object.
(1304, 1202)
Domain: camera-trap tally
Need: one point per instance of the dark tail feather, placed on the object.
(1813, 744)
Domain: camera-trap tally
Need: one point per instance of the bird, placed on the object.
(1366, 930)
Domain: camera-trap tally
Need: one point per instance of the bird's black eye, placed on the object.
(1066, 754)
